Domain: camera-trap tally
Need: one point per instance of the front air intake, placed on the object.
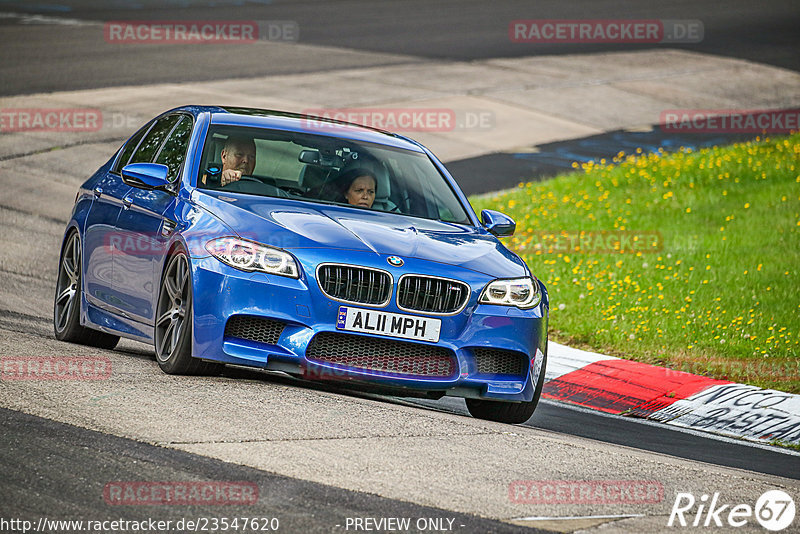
(254, 328)
(383, 356)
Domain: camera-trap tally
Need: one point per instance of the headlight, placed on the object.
(249, 256)
(519, 292)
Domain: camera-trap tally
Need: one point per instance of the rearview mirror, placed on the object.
(315, 157)
(146, 175)
(498, 223)
(309, 156)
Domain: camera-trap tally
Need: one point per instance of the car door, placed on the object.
(146, 221)
(99, 240)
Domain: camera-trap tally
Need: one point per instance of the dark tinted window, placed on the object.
(149, 146)
(129, 148)
(174, 150)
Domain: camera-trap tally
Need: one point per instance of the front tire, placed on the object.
(173, 326)
(67, 302)
(508, 412)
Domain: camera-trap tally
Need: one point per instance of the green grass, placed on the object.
(785, 444)
(711, 286)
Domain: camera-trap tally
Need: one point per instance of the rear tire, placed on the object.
(508, 412)
(67, 301)
(173, 325)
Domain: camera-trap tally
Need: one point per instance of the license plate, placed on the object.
(388, 324)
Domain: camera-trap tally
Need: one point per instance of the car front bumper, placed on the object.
(221, 292)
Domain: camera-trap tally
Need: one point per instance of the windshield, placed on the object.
(316, 168)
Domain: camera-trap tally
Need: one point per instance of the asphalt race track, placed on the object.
(398, 31)
(45, 482)
(319, 456)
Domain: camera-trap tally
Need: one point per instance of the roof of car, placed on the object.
(298, 122)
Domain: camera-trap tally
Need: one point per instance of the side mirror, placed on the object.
(498, 223)
(146, 175)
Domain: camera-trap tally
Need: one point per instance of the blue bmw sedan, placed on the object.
(293, 243)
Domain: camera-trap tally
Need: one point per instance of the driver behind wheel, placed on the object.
(238, 159)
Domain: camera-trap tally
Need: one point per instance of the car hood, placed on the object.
(294, 225)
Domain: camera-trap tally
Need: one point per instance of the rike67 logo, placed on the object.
(774, 510)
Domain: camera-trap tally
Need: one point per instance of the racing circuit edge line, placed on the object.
(623, 387)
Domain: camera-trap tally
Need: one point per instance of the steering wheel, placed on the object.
(243, 179)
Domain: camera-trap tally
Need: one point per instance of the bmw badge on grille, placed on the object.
(395, 261)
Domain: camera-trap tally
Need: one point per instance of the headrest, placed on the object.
(215, 154)
(311, 176)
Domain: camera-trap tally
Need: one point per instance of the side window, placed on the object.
(173, 152)
(129, 148)
(149, 145)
